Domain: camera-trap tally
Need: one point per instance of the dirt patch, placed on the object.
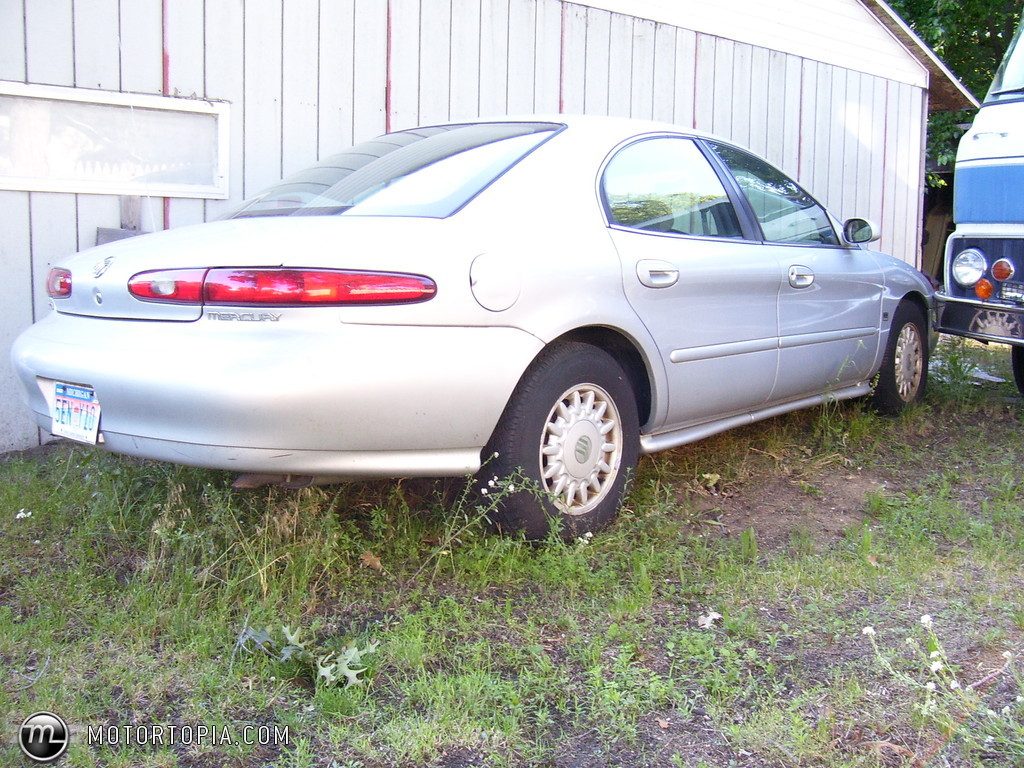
(784, 511)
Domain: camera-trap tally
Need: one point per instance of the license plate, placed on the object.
(75, 412)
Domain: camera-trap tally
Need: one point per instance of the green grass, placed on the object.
(136, 593)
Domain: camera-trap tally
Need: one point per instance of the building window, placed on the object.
(55, 139)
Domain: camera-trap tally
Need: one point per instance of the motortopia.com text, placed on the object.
(187, 735)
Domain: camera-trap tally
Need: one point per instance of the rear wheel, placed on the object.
(1017, 359)
(570, 437)
(904, 372)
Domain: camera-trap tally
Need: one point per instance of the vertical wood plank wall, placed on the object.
(306, 78)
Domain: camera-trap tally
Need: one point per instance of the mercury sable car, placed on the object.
(543, 298)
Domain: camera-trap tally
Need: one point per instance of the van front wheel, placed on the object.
(1017, 359)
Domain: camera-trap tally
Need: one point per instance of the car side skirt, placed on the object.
(674, 438)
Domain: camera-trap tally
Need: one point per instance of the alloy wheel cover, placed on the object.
(909, 362)
(581, 448)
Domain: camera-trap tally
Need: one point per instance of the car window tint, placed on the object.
(428, 172)
(787, 214)
(667, 185)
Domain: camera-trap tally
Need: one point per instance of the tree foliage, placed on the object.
(970, 36)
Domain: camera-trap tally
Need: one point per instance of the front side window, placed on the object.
(667, 185)
(429, 172)
(787, 214)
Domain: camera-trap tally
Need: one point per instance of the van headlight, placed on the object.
(969, 267)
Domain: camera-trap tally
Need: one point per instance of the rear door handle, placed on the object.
(655, 273)
(801, 276)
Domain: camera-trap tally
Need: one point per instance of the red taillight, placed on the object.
(58, 283)
(280, 287)
(310, 286)
(183, 286)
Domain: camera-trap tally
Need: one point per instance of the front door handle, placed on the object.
(655, 273)
(801, 276)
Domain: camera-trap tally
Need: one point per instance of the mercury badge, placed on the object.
(102, 266)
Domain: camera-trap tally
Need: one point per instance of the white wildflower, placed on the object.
(930, 686)
(868, 631)
(926, 621)
(954, 684)
(22, 514)
(936, 666)
(935, 654)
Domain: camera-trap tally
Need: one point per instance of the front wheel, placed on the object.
(1017, 360)
(570, 437)
(904, 372)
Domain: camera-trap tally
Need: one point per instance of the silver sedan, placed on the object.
(541, 299)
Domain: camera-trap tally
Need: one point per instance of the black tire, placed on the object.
(904, 373)
(571, 395)
(1017, 361)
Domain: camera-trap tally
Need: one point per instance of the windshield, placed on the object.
(1009, 80)
(429, 172)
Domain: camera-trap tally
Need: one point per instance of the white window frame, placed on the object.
(215, 188)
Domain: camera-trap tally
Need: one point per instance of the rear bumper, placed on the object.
(343, 401)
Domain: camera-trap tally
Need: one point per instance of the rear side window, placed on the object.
(429, 172)
(786, 213)
(666, 185)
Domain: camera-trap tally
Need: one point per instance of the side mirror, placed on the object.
(858, 231)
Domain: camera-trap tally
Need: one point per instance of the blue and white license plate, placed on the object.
(76, 412)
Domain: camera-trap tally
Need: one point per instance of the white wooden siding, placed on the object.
(842, 32)
(820, 88)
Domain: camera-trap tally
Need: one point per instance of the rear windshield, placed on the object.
(429, 172)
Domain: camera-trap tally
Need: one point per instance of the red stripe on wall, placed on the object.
(387, 75)
(166, 87)
(561, 66)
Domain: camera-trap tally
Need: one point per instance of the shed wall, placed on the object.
(842, 32)
(309, 77)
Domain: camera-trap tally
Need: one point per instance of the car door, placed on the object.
(830, 300)
(707, 295)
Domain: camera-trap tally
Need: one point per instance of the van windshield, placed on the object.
(1008, 83)
(427, 172)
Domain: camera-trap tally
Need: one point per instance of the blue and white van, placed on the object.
(983, 293)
